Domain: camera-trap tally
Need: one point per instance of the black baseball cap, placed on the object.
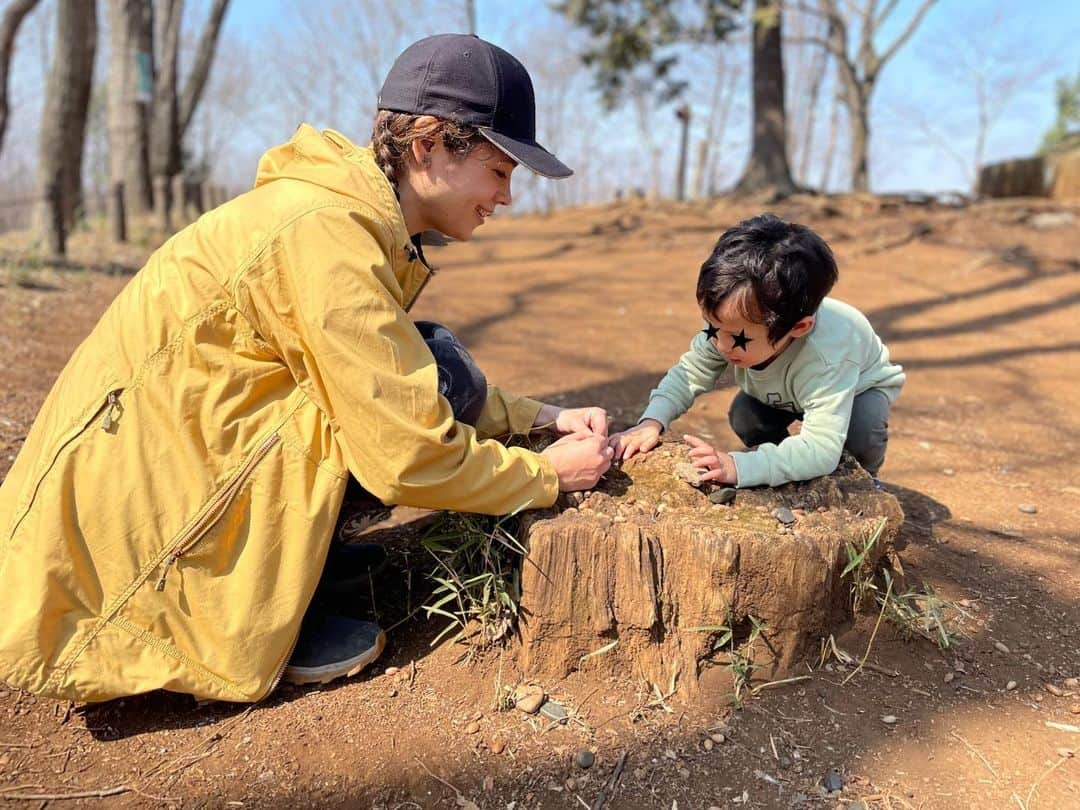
(464, 79)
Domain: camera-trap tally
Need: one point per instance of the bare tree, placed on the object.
(9, 27)
(131, 73)
(859, 71)
(985, 63)
(805, 91)
(200, 70)
(165, 130)
(63, 123)
(768, 165)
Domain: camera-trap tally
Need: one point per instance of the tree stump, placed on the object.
(649, 562)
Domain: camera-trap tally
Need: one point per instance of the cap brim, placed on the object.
(529, 154)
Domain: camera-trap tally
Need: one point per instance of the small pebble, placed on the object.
(497, 746)
(391, 671)
(784, 515)
(553, 711)
(528, 699)
(949, 677)
(717, 738)
(392, 693)
(1054, 690)
(1001, 648)
(472, 728)
(708, 744)
(724, 495)
(1029, 508)
(584, 759)
(1072, 683)
(1066, 753)
(949, 471)
(833, 780)
(889, 719)
(1075, 708)
(684, 773)
(1010, 686)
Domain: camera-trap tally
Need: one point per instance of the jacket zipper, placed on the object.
(112, 400)
(214, 511)
(112, 403)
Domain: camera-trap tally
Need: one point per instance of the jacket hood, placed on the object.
(331, 161)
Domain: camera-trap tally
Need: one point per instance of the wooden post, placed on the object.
(683, 114)
(54, 226)
(116, 213)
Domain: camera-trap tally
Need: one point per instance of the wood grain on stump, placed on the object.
(648, 560)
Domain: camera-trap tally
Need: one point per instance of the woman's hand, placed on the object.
(565, 421)
(639, 439)
(579, 460)
(716, 466)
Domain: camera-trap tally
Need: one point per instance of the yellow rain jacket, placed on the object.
(167, 519)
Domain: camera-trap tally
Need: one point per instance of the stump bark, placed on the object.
(649, 562)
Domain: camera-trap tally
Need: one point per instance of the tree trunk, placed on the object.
(646, 577)
(63, 120)
(830, 148)
(131, 73)
(9, 27)
(768, 166)
(200, 70)
(818, 66)
(859, 121)
(165, 133)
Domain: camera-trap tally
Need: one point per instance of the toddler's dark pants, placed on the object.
(868, 432)
(461, 382)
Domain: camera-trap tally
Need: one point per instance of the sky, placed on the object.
(285, 61)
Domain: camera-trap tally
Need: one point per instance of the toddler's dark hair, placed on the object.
(778, 272)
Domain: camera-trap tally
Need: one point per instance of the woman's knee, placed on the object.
(461, 381)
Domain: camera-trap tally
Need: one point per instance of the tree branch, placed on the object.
(203, 58)
(900, 40)
(9, 27)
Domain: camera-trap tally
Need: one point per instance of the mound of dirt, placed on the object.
(648, 575)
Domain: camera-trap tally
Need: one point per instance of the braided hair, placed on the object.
(394, 134)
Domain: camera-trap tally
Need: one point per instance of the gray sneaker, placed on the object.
(332, 647)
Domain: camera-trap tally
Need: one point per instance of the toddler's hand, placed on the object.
(564, 421)
(576, 420)
(718, 466)
(639, 439)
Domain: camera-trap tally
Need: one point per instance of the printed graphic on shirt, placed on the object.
(772, 399)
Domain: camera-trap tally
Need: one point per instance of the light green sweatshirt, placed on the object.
(818, 376)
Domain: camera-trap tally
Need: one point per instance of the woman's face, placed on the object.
(457, 194)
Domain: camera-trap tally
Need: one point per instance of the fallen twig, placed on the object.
(79, 794)
(873, 635)
(612, 783)
(1063, 727)
(771, 684)
(975, 751)
(438, 778)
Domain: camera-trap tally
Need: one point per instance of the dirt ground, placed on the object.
(590, 307)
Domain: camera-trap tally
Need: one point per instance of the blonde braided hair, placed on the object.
(394, 134)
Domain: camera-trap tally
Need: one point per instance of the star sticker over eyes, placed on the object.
(710, 331)
(740, 340)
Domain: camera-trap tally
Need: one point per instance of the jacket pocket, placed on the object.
(217, 506)
(103, 412)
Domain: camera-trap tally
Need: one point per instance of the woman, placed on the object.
(168, 517)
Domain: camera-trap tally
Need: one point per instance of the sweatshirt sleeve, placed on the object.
(322, 297)
(505, 414)
(826, 394)
(697, 371)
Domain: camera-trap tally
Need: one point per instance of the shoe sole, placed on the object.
(341, 669)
